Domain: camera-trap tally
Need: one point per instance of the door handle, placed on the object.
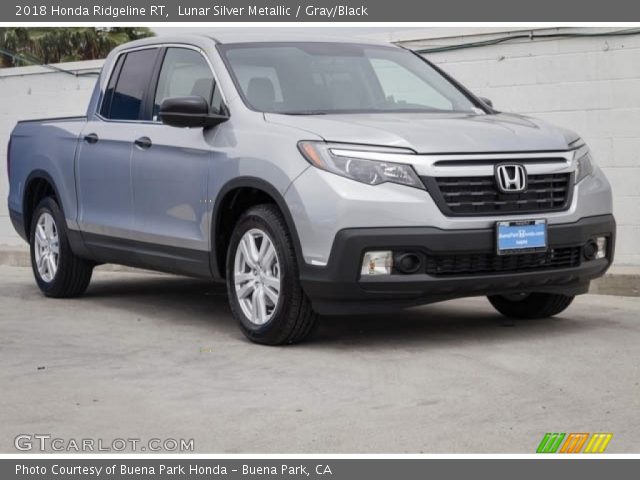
(143, 142)
(91, 138)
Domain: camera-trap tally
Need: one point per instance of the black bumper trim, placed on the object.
(337, 288)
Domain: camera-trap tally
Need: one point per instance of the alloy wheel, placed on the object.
(47, 247)
(257, 276)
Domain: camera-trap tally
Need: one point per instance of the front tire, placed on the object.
(262, 280)
(58, 272)
(532, 305)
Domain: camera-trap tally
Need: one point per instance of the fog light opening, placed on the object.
(595, 249)
(407, 262)
(590, 250)
(377, 263)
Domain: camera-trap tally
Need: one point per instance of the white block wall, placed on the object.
(591, 85)
(36, 92)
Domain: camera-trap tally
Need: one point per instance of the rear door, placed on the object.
(170, 166)
(104, 158)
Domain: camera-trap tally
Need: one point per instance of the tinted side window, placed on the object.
(135, 75)
(184, 73)
(216, 103)
(108, 94)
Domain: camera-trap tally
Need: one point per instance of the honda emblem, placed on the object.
(511, 178)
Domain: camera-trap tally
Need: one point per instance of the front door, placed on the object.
(170, 166)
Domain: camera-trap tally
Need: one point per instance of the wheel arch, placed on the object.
(38, 185)
(226, 206)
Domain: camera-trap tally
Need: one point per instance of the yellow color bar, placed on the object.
(598, 443)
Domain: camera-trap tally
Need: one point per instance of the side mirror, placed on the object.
(189, 112)
(486, 101)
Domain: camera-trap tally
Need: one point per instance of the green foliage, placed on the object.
(55, 45)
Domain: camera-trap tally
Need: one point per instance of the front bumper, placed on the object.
(338, 288)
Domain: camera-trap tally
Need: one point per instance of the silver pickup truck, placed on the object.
(313, 176)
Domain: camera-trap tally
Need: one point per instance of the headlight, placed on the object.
(584, 165)
(366, 166)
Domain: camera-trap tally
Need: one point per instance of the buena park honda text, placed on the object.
(314, 176)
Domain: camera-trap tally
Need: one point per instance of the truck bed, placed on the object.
(45, 146)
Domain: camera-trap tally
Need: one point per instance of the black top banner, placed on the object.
(330, 11)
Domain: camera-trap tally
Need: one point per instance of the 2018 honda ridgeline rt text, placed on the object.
(314, 177)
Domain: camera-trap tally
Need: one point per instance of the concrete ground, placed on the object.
(152, 356)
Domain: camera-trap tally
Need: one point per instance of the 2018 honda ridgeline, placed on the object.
(314, 177)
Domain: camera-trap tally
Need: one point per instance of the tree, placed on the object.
(27, 46)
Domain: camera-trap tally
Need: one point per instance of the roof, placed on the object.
(260, 35)
(268, 35)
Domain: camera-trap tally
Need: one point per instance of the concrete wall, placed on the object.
(591, 85)
(37, 92)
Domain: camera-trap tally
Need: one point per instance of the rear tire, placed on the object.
(264, 288)
(532, 305)
(58, 272)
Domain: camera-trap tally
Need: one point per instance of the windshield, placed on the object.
(318, 77)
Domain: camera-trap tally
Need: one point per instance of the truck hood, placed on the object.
(434, 133)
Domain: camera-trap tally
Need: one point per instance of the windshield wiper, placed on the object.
(304, 112)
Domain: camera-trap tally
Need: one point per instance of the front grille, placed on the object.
(480, 195)
(476, 263)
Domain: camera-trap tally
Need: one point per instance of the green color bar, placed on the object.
(550, 442)
(543, 443)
